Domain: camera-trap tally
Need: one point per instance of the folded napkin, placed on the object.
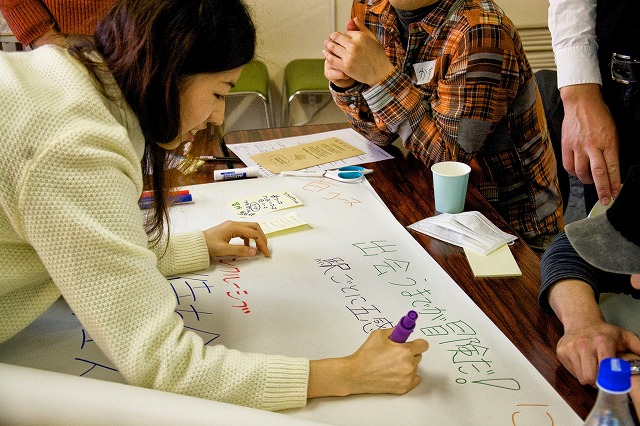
(471, 230)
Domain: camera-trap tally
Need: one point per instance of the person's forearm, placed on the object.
(327, 378)
(634, 394)
(355, 107)
(52, 36)
(580, 93)
(574, 303)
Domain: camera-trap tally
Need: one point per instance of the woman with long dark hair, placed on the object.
(84, 127)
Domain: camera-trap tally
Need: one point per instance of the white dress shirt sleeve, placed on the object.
(573, 31)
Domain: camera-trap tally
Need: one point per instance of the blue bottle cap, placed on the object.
(614, 375)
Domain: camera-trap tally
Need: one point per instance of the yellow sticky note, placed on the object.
(287, 223)
(306, 155)
(500, 263)
(264, 203)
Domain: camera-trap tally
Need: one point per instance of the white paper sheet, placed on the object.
(372, 152)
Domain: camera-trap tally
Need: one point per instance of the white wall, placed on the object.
(526, 13)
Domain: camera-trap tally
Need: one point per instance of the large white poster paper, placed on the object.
(354, 269)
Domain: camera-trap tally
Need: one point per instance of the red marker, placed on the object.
(175, 197)
(149, 194)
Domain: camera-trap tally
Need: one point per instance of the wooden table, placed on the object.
(405, 185)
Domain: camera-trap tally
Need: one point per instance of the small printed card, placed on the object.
(306, 155)
(264, 203)
(290, 222)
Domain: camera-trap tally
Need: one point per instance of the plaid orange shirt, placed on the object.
(481, 107)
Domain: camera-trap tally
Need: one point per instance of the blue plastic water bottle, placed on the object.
(612, 404)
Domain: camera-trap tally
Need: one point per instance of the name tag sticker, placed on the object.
(424, 71)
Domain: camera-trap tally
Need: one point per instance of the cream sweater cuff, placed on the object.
(288, 381)
(189, 252)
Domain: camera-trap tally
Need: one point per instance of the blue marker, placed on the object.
(174, 198)
(404, 327)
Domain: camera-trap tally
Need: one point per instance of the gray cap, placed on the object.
(611, 241)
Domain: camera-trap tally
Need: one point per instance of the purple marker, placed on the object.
(404, 327)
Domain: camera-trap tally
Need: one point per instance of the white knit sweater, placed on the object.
(70, 225)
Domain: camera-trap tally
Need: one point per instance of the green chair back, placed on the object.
(305, 75)
(254, 78)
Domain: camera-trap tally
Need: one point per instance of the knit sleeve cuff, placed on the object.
(287, 384)
(28, 20)
(185, 253)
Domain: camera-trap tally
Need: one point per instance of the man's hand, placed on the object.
(588, 338)
(355, 55)
(581, 349)
(590, 140)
